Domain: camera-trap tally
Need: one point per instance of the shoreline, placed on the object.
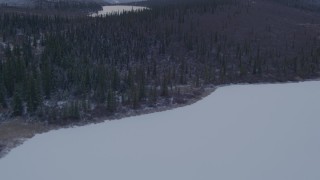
(14, 133)
(10, 139)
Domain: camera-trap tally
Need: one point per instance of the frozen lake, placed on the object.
(239, 132)
(107, 10)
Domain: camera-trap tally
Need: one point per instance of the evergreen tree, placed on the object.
(32, 96)
(3, 102)
(111, 101)
(75, 111)
(17, 104)
(164, 87)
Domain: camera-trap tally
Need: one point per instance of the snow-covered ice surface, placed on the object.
(107, 10)
(240, 132)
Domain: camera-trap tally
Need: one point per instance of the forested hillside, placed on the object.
(306, 4)
(62, 70)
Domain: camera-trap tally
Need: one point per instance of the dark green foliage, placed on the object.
(135, 98)
(3, 102)
(153, 95)
(71, 112)
(111, 101)
(74, 111)
(47, 79)
(17, 104)
(164, 87)
(33, 94)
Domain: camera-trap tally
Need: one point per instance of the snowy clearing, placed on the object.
(108, 10)
(240, 132)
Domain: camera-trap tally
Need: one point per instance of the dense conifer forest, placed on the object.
(62, 69)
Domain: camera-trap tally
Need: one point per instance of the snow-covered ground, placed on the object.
(107, 10)
(240, 132)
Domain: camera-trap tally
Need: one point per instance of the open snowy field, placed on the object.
(240, 132)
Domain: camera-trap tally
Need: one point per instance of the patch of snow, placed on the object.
(61, 104)
(3, 44)
(239, 132)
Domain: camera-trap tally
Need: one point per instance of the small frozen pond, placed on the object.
(108, 10)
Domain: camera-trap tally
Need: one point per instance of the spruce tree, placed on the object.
(164, 87)
(17, 104)
(111, 101)
(3, 102)
(31, 97)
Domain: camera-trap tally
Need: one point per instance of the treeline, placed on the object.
(67, 5)
(62, 69)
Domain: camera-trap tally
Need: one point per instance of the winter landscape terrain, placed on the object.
(71, 87)
(243, 132)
